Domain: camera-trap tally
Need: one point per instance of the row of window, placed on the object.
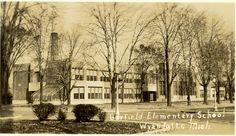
(106, 96)
(96, 93)
(91, 76)
(105, 79)
(80, 93)
(222, 94)
(179, 88)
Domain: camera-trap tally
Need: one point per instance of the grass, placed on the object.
(69, 127)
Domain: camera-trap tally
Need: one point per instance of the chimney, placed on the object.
(54, 46)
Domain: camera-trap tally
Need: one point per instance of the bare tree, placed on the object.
(206, 36)
(187, 40)
(221, 57)
(73, 45)
(15, 40)
(230, 65)
(41, 28)
(147, 56)
(109, 27)
(166, 27)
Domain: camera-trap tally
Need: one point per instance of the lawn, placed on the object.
(69, 127)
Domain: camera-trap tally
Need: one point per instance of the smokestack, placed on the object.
(54, 46)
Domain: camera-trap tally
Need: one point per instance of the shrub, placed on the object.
(61, 115)
(102, 115)
(43, 110)
(84, 112)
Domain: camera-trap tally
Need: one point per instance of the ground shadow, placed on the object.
(6, 119)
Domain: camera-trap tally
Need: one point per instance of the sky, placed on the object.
(73, 14)
(76, 14)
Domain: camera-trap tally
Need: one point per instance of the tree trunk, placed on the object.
(157, 81)
(168, 85)
(3, 80)
(5, 87)
(226, 93)
(169, 95)
(69, 87)
(41, 88)
(165, 84)
(0, 90)
(205, 95)
(218, 93)
(141, 91)
(122, 91)
(230, 89)
(68, 95)
(189, 87)
(6, 97)
(142, 81)
(1, 73)
(188, 97)
(62, 95)
(113, 93)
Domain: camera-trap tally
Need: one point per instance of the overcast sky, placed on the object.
(74, 13)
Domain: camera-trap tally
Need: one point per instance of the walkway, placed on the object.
(138, 112)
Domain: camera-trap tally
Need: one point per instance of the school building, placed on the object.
(92, 86)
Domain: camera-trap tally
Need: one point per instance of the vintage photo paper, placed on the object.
(118, 67)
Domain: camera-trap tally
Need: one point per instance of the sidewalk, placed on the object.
(176, 106)
(25, 112)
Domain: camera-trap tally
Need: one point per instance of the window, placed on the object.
(78, 73)
(91, 75)
(107, 93)
(193, 89)
(105, 79)
(175, 88)
(162, 88)
(104, 76)
(222, 93)
(161, 69)
(79, 94)
(182, 87)
(95, 93)
(34, 76)
(129, 93)
(91, 78)
(137, 78)
(137, 93)
(79, 77)
(120, 94)
(76, 95)
(151, 79)
(128, 78)
(202, 95)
